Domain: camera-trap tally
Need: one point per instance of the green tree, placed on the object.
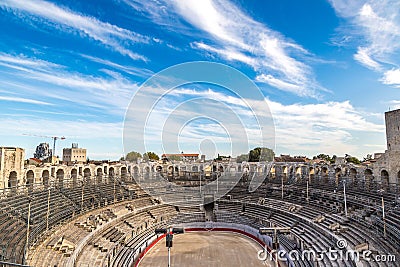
(261, 154)
(150, 156)
(326, 157)
(241, 158)
(367, 158)
(351, 159)
(133, 156)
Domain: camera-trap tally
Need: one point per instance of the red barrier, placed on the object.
(148, 248)
(259, 241)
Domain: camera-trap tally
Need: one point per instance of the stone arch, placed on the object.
(221, 168)
(87, 175)
(159, 168)
(369, 177)
(298, 172)
(385, 179)
(272, 173)
(74, 176)
(45, 177)
(325, 174)
(99, 175)
(124, 173)
(30, 179)
(135, 170)
(170, 169)
(338, 175)
(13, 180)
(353, 176)
(311, 174)
(111, 172)
(284, 173)
(60, 177)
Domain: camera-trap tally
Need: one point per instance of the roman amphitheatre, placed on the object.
(111, 213)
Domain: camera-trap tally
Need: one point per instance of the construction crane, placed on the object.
(55, 138)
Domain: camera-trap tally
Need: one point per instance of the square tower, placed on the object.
(392, 119)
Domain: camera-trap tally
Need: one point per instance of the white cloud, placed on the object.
(376, 26)
(392, 77)
(235, 36)
(108, 34)
(364, 58)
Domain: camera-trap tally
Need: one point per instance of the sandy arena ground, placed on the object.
(206, 249)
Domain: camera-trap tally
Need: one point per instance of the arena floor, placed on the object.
(206, 249)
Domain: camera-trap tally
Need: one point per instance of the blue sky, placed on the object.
(328, 69)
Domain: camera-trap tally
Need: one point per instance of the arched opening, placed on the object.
(272, 173)
(298, 173)
(353, 176)
(368, 178)
(325, 175)
(111, 172)
(13, 180)
(74, 177)
(123, 173)
(30, 178)
(86, 175)
(135, 171)
(385, 180)
(99, 175)
(170, 169)
(45, 177)
(311, 174)
(221, 168)
(159, 168)
(195, 168)
(60, 177)
(284, 173)
(338, 175)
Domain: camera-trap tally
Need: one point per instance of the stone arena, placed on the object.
(106, 214)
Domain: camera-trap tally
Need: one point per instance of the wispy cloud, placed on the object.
(110, 35)
(23, 100)
(109, 94)
(235, 36)
(376, 26)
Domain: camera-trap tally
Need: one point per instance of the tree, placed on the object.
(261, 154)
(150, 156)
(326, 157)
(367, 158)
(241, 158)
(350, 159)
(133, 156)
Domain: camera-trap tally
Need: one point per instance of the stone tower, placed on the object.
(392, 119)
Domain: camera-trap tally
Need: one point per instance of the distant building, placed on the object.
(182, 156)
(11, 166)
(288, 158)
(74, 154)
(34, 161)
